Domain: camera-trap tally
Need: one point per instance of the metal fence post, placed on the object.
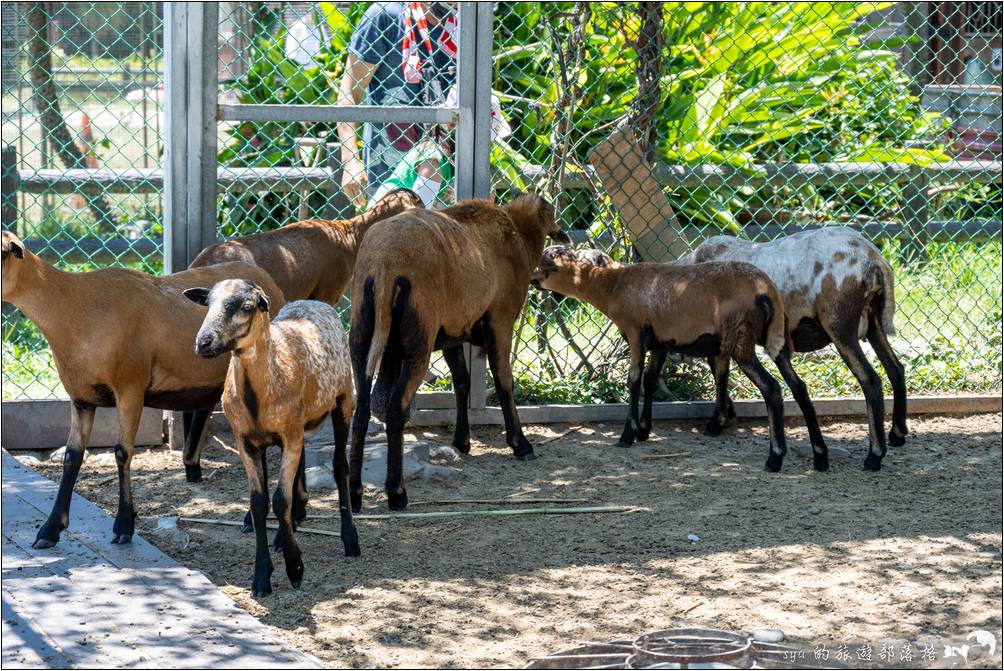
(190, 45)
(480, 166)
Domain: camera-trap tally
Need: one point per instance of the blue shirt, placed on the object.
(377, 40)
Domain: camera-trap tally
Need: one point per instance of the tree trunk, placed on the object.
(54, 128)
(649, 49)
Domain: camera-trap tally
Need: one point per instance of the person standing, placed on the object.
(401, 53)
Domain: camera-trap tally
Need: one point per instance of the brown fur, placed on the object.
(717, 310)
(312, 258)
(665, 298)
(285, 377)
(456, 275)
(119, 337)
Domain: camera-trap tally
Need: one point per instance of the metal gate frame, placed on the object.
(192, 113)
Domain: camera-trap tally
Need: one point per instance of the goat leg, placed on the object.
(897, 378)
(282, 505)
(248, 526)
(461, 389)
(820, 453)
(415, 364)
(81, 421)
(725, 412)
(497, 350)
(771, 392)
(195, 425)
(656, 360)
(130, 408)
(299, 501)
(632, 425)
(341, 416)
(253, 460)
(850, 351)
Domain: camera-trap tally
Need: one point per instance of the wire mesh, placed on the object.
(759, 120)
(754, 119)
(388, 54)
(82, 91)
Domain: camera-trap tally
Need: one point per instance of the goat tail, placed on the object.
(378, 301)
(776, 323)
(888, 298)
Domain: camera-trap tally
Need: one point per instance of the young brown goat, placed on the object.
(120, 338)
(307, 259)
(718, 310)
(837, 288)
(284, 379)
(428, 280)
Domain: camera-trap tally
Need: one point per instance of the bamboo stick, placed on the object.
(549, 439)
(502, 513)
(269, 525)
(665, 456)
(505, 502)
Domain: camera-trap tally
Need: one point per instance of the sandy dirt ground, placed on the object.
(911, 552)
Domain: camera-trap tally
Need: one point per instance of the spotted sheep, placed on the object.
(716, 310)
(312, 259)
(286, 376)
(434, 280)
(837, 288)
(122, 339)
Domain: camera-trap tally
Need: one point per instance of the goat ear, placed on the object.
(16, 249)
(263, 302)
(198, 295)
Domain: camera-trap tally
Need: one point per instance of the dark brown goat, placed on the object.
(434, 280)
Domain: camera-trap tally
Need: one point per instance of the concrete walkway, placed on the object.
(89, 603)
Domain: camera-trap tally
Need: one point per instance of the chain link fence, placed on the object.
(82, 93)
(655, 126)
(652, 126)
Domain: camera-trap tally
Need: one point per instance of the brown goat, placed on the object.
(716, 310)
(285, 377)
(120, 338)
(434, 280)
(307, 259)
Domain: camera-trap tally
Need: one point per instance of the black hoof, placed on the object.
(295, 573)
(641, 436)
(523, 450)
(122, 539)
(774, 462)
(47, 537)
(820, 462)
(397, 501)
(713, 429)
(44, 543)
(261, 584)
(897, 439)
(193, 472)
(248, 525)
(356, 501)
(350, 539)
(463, 447)
(873, 463)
